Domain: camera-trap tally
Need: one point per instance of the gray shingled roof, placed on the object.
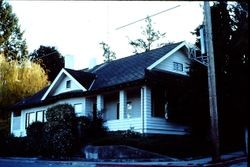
(127, 69)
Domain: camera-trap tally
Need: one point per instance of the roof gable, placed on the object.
(183, 44)
(80, 81)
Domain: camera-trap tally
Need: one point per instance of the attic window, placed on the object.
(68, 84)
(178, 66)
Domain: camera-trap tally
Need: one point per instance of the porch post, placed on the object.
(99, 103)
(145, 107)
(11, 122)
(123, 103)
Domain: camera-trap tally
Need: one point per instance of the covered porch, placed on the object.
(136, 109)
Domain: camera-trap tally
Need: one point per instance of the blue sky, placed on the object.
(77, 27)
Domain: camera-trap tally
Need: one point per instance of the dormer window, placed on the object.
(68, 84)
(178, 66)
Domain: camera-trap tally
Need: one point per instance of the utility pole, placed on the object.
(214, 131)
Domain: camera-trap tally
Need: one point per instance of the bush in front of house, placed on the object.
(35, 138)
(60, 131)
(14, 146)
(90, 128)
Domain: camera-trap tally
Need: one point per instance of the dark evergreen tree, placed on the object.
(230, 30)
(12, 43)
(51, 60)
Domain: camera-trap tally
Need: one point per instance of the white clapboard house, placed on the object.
(131, 93)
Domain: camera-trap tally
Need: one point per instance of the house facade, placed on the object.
(131, 93)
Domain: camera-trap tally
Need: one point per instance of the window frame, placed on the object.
(40, 111)
(27, 121)
(68, 84)
(27, 117)
(178, 66)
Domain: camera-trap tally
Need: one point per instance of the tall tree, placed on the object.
(230, 30)
(19, 80)
(107, 53)
(150, 37)
(12, 43)
(51, 60)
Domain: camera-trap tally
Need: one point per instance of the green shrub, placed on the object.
(60, 131)
(89, 129)
(15, 146)
(35, 138)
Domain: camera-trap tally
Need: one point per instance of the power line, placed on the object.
(48, 54)
(148, 16)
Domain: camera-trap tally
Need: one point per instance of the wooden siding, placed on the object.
(22, 130)
(135, 111)
(141, 119)
(110, 106)
(178, 57)
(61, 86)
(146, 113)
(89, 102)
(153, 125)
(16, 125)
(124, 124)
(162, 126)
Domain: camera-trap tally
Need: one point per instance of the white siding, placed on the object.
(15, 125)
(89, 102)
(111, 108)
(146, 106)
(178, 57)
(22, 118)
(154, 125)
(61, 86)
(161, 126)
(124, 124)
(141, 119)
(135, 111)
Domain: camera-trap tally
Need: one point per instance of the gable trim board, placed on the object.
(63, 71)
(167, 55)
